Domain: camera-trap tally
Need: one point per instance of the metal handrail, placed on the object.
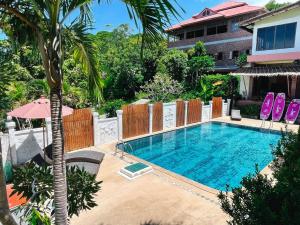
(124, 146)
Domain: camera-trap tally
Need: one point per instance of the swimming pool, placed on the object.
(213, 154)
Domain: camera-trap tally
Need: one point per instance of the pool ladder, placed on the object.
(124, 146)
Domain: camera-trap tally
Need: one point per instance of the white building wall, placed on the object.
(283, 18)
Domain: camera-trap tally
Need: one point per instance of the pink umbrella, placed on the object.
(38, 109)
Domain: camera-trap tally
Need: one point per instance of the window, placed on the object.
(217, 29)
(234, 26)
(194, 34)
(211, 30)
(199, 33)
(190, 35)
(180, 36)
(222, 29)
(276, 37)
(235, 54)
(220, 56)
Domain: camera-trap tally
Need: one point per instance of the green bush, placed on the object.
(111, 107)
(190, 95)
(251, 110)
(224, 86)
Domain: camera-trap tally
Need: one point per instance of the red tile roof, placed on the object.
(225, 10)
(14, 200)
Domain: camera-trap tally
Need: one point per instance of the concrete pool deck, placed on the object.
(156, 196)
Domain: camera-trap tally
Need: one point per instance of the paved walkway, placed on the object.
(153, 197)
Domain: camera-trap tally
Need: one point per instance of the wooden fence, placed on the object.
(78, 130)
(180, 113)
(157, 121)
(194, 111)
(217, 107)
(135, 120)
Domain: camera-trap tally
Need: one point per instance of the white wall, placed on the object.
(5, 149)
(283, 18)
(105, 130)
(29, 143)
(169, 115)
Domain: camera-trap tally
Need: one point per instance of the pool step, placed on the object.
(135, 170)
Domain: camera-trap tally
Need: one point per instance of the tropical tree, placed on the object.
(42, 23)
(273, 5)
(199, 63)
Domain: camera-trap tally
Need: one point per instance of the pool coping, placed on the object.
(266, 170)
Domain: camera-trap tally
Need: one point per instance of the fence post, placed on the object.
(228, 107)
(11, 125)
(95, 128)
(120, 124)
(224, 112)
(210, 109)
(186, 103)
(150, 118)
(48, 131)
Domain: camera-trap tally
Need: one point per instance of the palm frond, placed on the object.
(154, 16)
(84, 53)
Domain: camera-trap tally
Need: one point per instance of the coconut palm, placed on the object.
(42, 23)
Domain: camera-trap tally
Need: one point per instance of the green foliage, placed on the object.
(224, 86)
(36, 183)
(188, 95)
(199, 64)
(241, 60)
(175, 64)
(207, 92)
(111, 107)
(162, 88)
(251, 110)
(262, 200)
(273, 5)
(38, 218)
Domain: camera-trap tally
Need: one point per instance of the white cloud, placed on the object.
(263, 2)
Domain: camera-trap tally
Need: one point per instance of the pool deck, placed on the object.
(160, 197)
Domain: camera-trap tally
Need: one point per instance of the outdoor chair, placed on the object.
(90, 160)
(236, 115)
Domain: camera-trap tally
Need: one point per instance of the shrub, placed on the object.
(224, 86)
(111, 107)
(262, 200)
(251, 110)
(162, 88)
(190, 95)
(175, 64)
(36, 183)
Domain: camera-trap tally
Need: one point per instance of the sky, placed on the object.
(109, 16)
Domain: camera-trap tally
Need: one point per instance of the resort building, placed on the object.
(218, 28)
(275, 61)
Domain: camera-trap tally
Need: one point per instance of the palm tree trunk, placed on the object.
(5, 216)
(59, 167)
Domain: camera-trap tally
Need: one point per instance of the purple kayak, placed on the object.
(267, 106)
(278, 107)
(293, 111)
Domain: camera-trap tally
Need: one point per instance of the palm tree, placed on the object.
(42, 23)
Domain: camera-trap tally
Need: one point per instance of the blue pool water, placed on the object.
(214, 154)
